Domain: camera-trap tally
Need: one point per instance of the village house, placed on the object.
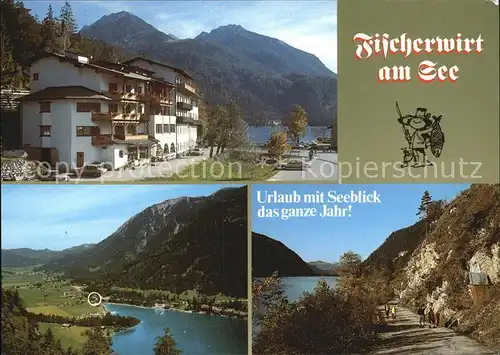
(479, 286)
(82, 111)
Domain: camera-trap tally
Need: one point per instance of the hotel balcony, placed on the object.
(187, 120)
(102, 116)
(160, 99)
(103, 139)
(184, 106)
(131, 137)
(121, 95)
(185, 88)
(113, 116)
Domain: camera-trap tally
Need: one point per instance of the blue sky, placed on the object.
(326, 239)
(61, 216)
(309, 25)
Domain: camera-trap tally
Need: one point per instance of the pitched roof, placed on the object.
(64, 92)
(478, 278)
(150, 61)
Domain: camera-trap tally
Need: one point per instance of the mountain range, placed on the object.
(270, 255)
(262, 75)
(179, 244)
(22, 257)
(324, 268)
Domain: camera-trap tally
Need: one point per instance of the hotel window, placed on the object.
(45, 131)
(172, 128)
(139, 89)
(128, 88)
(87, 131)
(120, 153)
(35, 76)
(113, 108)
(165, 128)
(88, 107)
(44, 106)
(132, 130)
(159, 129)
(128, 108)
(113, 87)
(84, 131)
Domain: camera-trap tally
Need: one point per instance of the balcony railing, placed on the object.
(122, 95)
(160, 99)
(185, 88)
(184, 106)
(131, 137)
(188, 119)
(103, 139)
(102, 116)
(115, 116)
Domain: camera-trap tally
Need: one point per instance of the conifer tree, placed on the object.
(424, 205)
(50, 32)
(166, 345)
(68, 25)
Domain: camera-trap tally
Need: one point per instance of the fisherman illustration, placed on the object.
(422, 131)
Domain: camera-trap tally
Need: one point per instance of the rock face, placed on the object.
(270, 255)
(464, 237)
(180, 244)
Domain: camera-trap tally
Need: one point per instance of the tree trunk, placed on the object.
(211, 149)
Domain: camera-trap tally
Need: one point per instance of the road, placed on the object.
(404, 337)
(323, 167)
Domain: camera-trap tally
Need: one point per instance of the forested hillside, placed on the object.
(430, 261)
(24, 37)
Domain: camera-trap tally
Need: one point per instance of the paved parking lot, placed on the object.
(323, 167)
(155, 170)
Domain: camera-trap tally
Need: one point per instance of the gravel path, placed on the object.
(404, 337)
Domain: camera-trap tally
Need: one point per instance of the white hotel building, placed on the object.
(82, 111)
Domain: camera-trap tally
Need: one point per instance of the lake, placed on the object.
(260, 135)
(194, 333)
(295, 286)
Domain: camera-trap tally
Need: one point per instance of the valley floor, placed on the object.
(404, 337)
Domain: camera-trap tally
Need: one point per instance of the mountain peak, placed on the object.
(231, 27)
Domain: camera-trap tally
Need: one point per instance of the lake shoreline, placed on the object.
(241, 317)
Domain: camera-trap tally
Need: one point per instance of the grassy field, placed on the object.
(70, 337)
(44, 294)
(214, 170)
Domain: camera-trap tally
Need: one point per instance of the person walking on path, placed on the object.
(431, 316)
(393, 312)
(387, 310)
(421, 314)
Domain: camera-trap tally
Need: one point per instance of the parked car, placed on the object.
(295, 164)
(93, 170)
(272, 161)
(195, 152)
